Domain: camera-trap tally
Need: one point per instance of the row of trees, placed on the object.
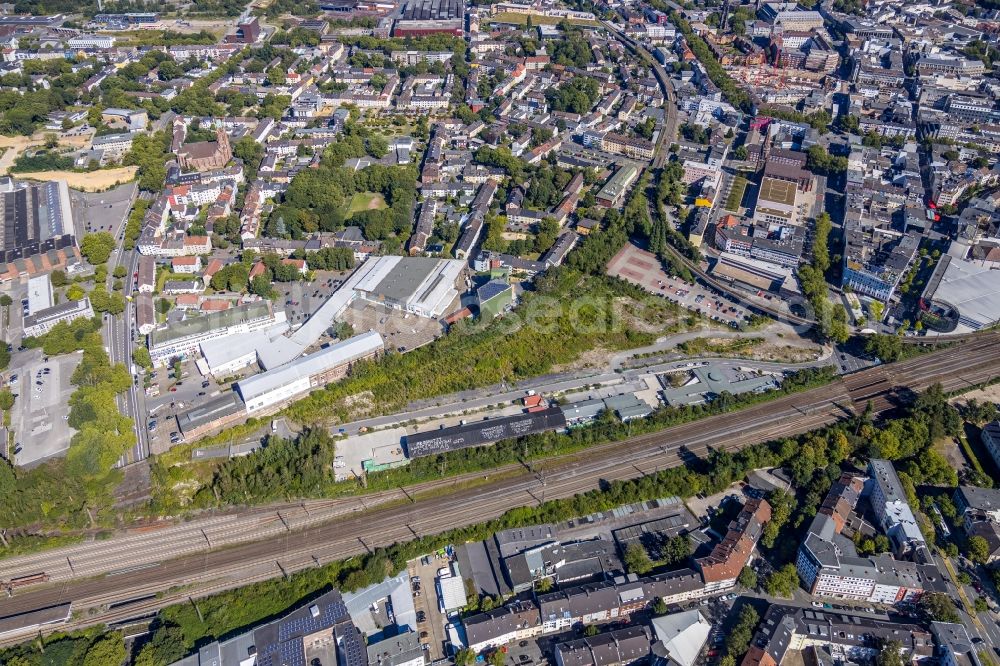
(831, 318)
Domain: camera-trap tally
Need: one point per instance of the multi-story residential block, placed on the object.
(876, 260)
(894, 513)
(629, 146)
(495, 628)
(614, 648)
(949, 65)
(788, 629)
(991, 440)
(722, 566)
(829, 566)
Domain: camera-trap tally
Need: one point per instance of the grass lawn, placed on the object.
(168, 275)
(736, 194)
(522, 19)
(365, 201)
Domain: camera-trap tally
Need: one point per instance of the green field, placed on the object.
(522, 19)
(365, 201)
(736, 194)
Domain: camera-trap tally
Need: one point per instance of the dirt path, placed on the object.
(13, 146)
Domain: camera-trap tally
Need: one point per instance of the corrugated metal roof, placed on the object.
(334, 355)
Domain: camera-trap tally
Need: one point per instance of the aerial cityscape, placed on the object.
(506, 333)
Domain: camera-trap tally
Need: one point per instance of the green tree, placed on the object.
(782, 504)
(108, 650)
(660, 606)
(465, 657)
(548, 231)
(978, 549)
(748, 578)
(591, 630)
(97, 247)
(164, 647)
(543, 585)
(939, 607)
(75, 292)
(140, 355)
(782, 582)
(739, 638)
(637, 559)
(377, 146)
(890, 654)
(58, 278)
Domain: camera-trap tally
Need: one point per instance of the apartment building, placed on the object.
(721, 567)
(636, 148)
(514, 622)
(894, 514)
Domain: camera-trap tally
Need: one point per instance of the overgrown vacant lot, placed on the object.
(569, 315)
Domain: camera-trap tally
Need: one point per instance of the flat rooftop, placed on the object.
(777, 191)
(973, 290)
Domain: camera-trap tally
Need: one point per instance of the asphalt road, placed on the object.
(140, 567)
(119, 332)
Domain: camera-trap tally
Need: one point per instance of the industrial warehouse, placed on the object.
(484, 432)
(275, 387)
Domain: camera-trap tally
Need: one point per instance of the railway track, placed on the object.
(212, 570)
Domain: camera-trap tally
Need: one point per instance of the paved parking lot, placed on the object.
(432, 629)
(175, 396)
(41, 406)
(644, 269)
(402, 331)
(102, 211)
(301, 299)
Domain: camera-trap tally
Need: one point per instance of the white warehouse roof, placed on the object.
(335, 355)
(271, 356)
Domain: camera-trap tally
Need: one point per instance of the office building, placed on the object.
(43, 321)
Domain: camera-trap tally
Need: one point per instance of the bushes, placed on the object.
(283, 469)
(41, 161)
